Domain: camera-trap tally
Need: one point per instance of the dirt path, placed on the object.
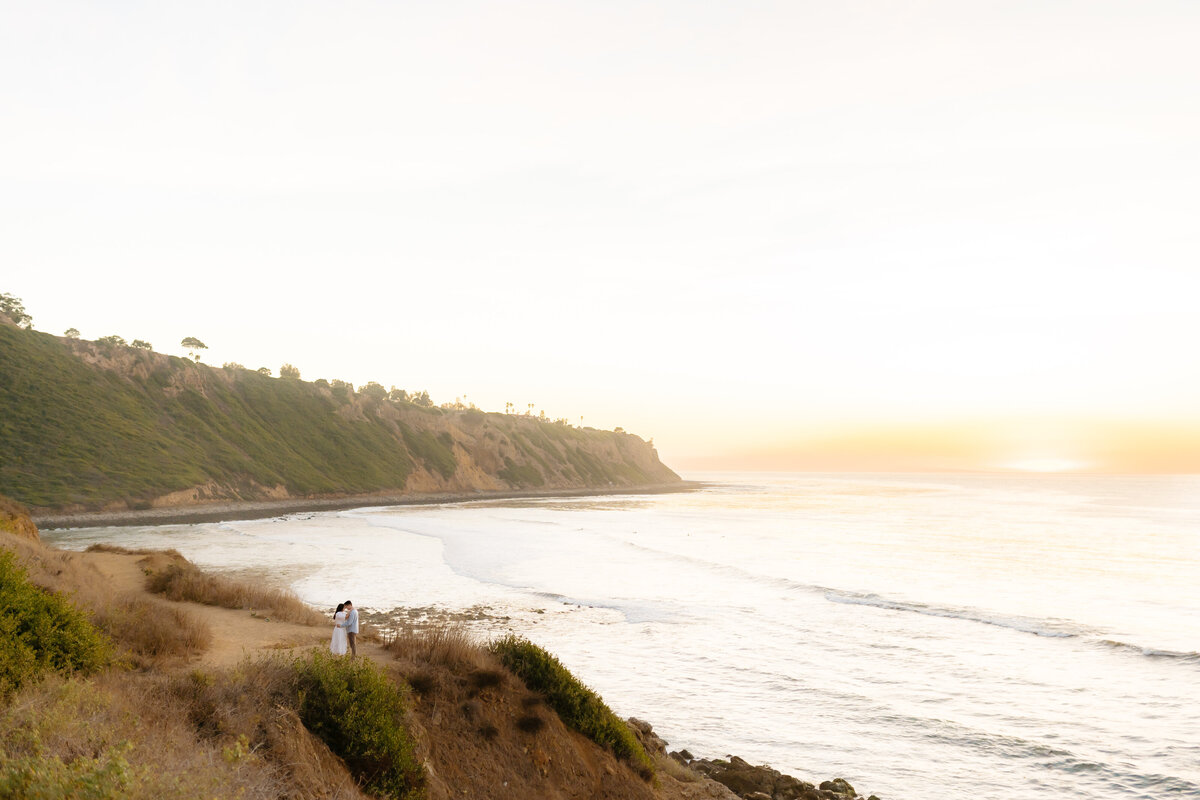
(237, 633)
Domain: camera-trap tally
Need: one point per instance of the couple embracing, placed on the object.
(345, 630)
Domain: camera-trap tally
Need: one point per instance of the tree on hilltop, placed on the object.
(194, 346)
(14, 309)
(397, 395)
(112, 341)
(422, 399)
(71, 333)
(141, 344)
(373, 391)
(342, 391)
(264, 371)
(288, 371)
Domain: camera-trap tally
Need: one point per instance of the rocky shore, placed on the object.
(727, 779)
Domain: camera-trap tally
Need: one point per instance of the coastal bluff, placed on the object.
(90, 427)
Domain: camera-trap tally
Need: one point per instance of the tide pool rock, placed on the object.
(736, 777)
(750, 782)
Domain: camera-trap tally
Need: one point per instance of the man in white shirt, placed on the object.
(351, 627)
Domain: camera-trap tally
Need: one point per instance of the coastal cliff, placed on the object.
(101, 426)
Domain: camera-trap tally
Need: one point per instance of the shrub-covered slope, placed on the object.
(85, 425)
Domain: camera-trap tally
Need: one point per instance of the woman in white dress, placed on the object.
(339, 643)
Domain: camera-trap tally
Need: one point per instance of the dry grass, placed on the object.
(14, 519)
(151, 630)
(250, 710)
(104, 547)
(444, 646)
(144, 631)
(183, 581)
(120, 736)
(531, 723)
(57, 570)
(429, 657)
(679, 772)
(145, 736)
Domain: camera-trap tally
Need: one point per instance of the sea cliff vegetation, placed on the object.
(91, 425)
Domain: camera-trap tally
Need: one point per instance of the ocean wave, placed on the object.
(725, 570)
(1054, 628)
(1151, 652)
(1048, 627)
(1039, 755)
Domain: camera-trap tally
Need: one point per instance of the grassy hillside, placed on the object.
(85, 425)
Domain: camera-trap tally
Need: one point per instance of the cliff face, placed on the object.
(85, 426)
(14, 519)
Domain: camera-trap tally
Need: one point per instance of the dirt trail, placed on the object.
(237, 633)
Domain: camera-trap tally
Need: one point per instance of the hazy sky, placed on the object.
(835, 234)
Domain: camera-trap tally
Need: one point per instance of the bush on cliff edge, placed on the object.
(577, 705)
(41, 632)
(353, 707)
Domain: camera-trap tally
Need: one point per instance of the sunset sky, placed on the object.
(795, 235)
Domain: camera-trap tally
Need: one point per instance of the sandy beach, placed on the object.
(259, 509)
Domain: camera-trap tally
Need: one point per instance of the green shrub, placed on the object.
(41, 632)
(433, 450)
(353, 707)
(578, 706)
(106, 777)
(523, 475)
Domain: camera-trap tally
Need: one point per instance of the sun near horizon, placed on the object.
(1043, 448)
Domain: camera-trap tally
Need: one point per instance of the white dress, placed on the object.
(339, 643)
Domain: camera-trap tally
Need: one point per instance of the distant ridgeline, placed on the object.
(87, 425)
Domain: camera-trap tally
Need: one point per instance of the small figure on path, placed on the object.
(351, 626)
(340, 640)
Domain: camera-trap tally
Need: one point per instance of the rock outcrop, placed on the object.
(14, 518)
(741, 779)
(751, 782)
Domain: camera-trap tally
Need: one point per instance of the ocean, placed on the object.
(961, 636)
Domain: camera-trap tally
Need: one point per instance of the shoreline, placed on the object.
(227, 511)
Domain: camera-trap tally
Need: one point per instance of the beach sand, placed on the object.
(220, 511)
